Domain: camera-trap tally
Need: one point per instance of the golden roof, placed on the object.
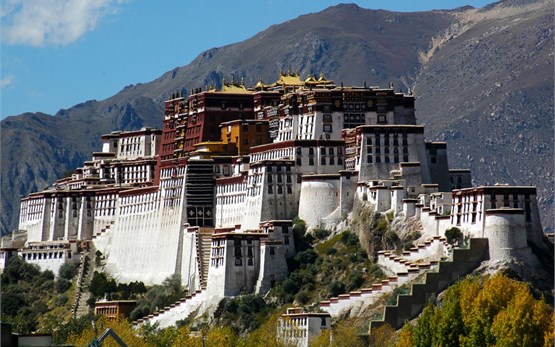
(289, 79)
(234, 88)
(311, 80)
(323, 80)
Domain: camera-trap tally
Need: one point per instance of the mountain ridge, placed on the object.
(434, 52)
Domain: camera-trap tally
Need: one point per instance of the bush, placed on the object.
(68, 271)
(306, 257)
(337, 288)
(349, 238)
(302, 297)
(355, 280)
(453, 235)
(321, 234)
(62, 285)
(331, 251)
(101, 285)
(140, 311)
(62, 299)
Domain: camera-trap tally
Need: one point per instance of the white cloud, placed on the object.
(6, 82)
(51, 22)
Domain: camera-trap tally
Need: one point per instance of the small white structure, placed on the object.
(297, 328)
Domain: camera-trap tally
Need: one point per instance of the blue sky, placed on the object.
(57, 53)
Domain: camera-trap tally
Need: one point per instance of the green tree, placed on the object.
(453, 235)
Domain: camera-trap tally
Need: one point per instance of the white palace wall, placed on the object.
(151, 238)
(319, 198)
(505, 229)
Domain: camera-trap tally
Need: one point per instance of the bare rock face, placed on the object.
(483, 80)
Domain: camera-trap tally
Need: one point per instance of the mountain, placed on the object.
(483, 80)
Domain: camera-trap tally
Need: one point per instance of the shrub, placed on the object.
(62, 285)
(453, 235)
(321, 234)
(337, 288)
(68, 271)
(140, 311)
(306, 257)
(331, 251)
(349, 238)
(355, 280)
(302, 297)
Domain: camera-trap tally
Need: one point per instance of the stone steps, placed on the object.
(84, 278)
(179, 310)
(410, 305)
(204, 245)
(104, 230)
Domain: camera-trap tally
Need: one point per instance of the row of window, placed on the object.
(279, 189)
(386, 159)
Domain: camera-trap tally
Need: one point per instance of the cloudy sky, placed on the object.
(57, 53)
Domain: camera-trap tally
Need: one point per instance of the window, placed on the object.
(270, 190)
(311, 161)
(322, 160)
(327, 128)
(272, 251)
(280, 190)
(311, 151)
(332, 161)
(289, 191)
(250, 262)
(238, 262)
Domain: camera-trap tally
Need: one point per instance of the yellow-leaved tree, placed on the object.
(489, 311)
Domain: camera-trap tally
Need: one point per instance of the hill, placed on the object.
(483, 80)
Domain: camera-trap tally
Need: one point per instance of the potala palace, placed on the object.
(212, 195)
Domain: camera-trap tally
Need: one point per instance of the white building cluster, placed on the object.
(219, 212)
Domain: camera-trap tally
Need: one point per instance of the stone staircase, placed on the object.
(179, 310)
(408, 306)
(204, 245)
(84, 277)
(103, 230)
(402, 269)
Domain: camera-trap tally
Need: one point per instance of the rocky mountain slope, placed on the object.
(483, 79)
